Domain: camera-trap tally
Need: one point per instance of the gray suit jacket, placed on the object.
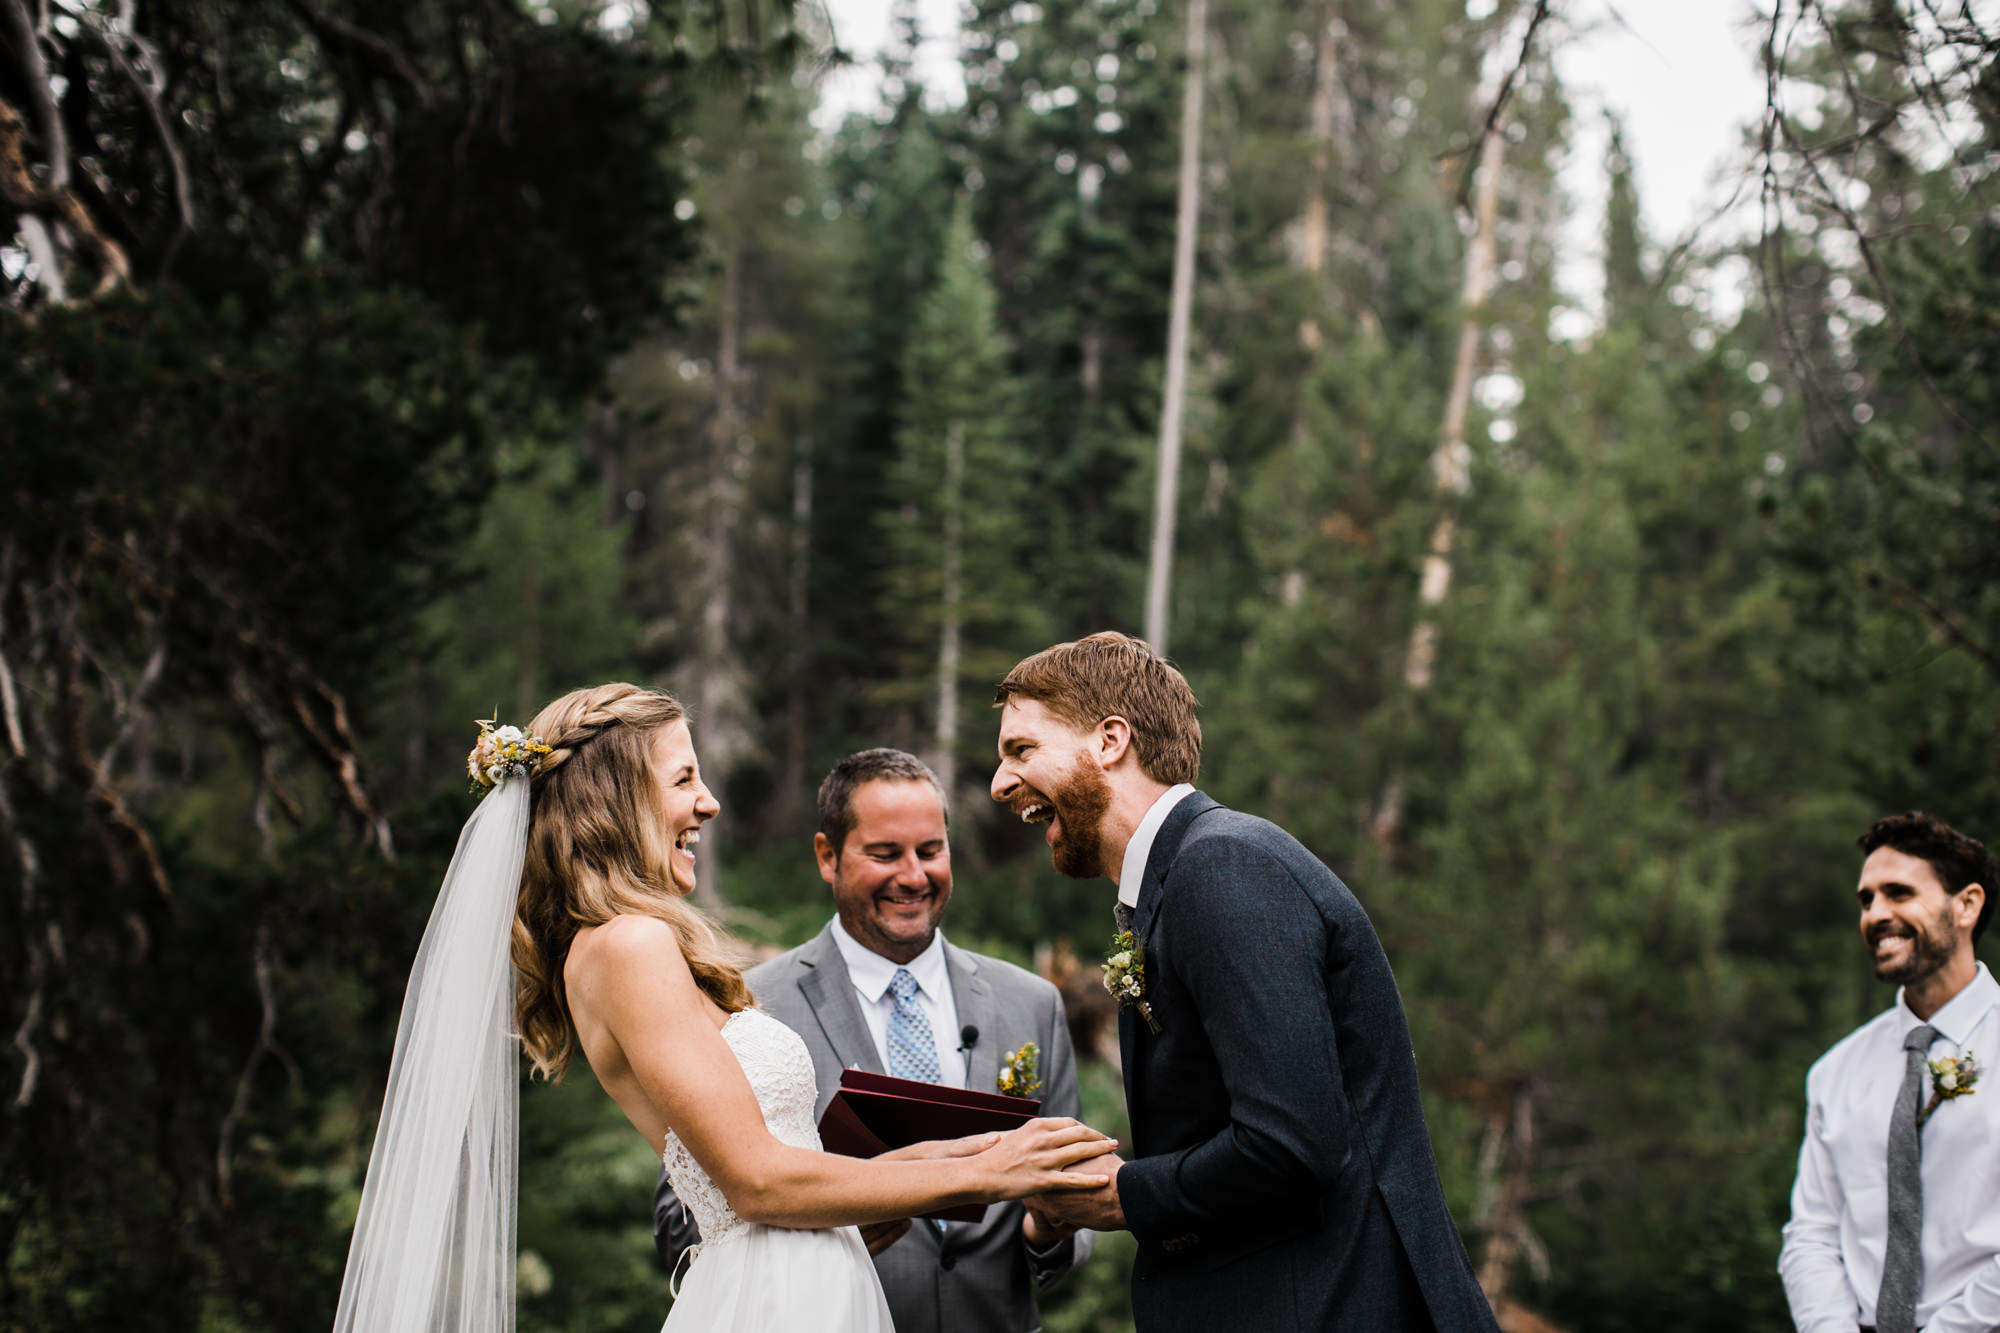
(979, 1277)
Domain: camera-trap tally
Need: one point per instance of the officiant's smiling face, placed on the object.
(891, 875)
(1049, 775)
(1912, 927)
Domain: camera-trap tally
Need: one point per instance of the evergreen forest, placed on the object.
(369, 366)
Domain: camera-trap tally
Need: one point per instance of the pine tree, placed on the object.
(959, 590)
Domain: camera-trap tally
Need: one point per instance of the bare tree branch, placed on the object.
(267, 1027)
(1499, 107)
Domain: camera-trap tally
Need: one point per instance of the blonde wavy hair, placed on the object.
(599, 847)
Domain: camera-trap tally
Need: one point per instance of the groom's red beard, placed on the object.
(1081, 801)
(1931, 947)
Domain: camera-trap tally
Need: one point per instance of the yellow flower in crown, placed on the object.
(502, 752)
(1019, 1073)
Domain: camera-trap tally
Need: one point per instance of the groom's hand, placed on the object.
(1097, 1209)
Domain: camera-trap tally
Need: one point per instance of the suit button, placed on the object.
(949, 1262)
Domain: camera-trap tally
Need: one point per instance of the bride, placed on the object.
(581, 856)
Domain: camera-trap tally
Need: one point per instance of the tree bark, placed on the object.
(945, 760)
(718, 673)
(1450, 474)
(1508, 1220)
(1166, 488)
(792, 782)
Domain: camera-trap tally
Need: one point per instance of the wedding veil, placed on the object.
(433, 1247)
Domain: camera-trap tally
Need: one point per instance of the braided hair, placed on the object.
(598, 847)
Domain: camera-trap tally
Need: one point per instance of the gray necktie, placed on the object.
(1122, 915)
(1903, 1260)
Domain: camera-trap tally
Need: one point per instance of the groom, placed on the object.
(1281, 1176)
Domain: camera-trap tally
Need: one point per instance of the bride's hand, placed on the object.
(1033, 1159)
(931, 1150)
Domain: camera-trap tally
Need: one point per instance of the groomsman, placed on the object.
(1896, 1209)
(881, 989)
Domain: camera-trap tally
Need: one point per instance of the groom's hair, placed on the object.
(1115, 675)
(836, 793)
(1956, 859)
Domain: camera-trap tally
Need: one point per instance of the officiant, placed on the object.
(881, 989)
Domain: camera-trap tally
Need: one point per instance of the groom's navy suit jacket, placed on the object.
(1282, 1177)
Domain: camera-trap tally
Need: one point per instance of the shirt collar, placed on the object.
(871, 973)
(1960, 1014)
(1132, 874)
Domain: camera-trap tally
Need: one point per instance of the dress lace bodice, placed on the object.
(780, 1071)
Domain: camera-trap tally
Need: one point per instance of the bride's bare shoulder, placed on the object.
(624, 942)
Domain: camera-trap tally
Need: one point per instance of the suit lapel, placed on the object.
(1132, 1048)
(829, 993)
(973, 998)
(1166, 846)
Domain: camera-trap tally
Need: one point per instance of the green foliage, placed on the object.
(587, 1262)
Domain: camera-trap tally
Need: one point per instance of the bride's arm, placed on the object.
(633, 992)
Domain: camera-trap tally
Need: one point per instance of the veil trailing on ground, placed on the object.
(433, 1247)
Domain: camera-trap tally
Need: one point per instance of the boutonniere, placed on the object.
(1125, 976)
(1019, 1076)
(1950, 1077)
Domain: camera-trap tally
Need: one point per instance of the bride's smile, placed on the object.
(685, 801)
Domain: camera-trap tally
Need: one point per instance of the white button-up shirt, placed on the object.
(871, 974)
(1132, 871)
(1832, 1257)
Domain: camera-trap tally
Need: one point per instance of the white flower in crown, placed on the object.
(502, 753)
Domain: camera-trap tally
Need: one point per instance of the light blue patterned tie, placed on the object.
(912, 1048)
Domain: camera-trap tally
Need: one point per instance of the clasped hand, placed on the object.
(1099, 1210)
(1036, 1162)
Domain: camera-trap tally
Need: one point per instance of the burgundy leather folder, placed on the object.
(873, 1113)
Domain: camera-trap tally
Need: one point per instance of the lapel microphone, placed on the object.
(968, 1037)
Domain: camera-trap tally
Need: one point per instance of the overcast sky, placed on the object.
(1681, 74)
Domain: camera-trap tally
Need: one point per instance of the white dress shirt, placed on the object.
(1132, 873)
(871, 974)
(1832, 1257)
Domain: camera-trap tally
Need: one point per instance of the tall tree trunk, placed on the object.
(945, 759)
(1329, 123)
(1507, 1221)
(1450, 474)
(1166, 488)
(792, 783)
(718, 674)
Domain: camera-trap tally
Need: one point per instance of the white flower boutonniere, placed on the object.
(1950, 1077)
(1125, 976)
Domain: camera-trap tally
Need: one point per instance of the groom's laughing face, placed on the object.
(1048, 775)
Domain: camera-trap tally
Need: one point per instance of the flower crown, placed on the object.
(502, 753)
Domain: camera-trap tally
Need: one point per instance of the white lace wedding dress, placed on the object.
(749, 1278)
